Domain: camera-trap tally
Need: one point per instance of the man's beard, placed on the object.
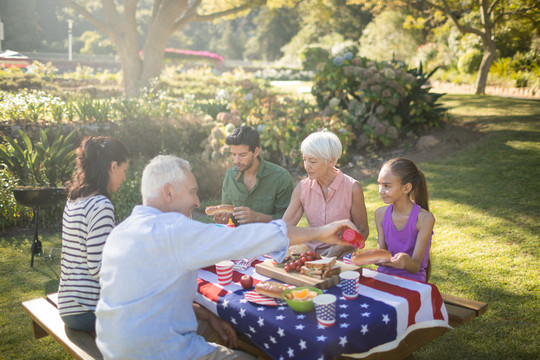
(248, 166)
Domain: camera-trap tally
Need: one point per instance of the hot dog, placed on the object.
(371, 256)
(271, 289)
(213, 210)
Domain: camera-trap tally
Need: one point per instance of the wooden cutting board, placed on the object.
(266, 268)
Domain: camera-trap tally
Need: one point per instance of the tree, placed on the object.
(118, 21)
(22, 31)
(493, 14)
(274, 29)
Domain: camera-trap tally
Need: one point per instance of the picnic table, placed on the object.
(392, 315)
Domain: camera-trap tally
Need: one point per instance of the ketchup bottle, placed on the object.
(354, 237)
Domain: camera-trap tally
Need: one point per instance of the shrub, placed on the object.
(47, 163)
(313, 55)
(11, 213)
(469, 62)
(379, 100)
(15, 79)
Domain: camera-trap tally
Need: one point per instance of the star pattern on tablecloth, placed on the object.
(290, 352)
(268, 326)
(364, 329)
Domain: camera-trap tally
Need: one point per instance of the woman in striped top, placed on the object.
(88, 219)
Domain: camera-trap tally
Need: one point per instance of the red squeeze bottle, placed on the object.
(354, 237)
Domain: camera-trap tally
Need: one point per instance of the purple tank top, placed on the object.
(403, 241)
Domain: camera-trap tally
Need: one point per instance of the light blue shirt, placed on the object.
(149, 280)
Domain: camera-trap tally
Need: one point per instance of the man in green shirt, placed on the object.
(260, 191)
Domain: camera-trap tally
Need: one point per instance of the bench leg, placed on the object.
(38, 331)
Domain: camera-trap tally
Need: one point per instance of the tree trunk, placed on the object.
(488, 58)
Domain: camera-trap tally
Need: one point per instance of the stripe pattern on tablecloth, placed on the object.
(386, 309)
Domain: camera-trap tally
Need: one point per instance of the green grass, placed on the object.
(486, 245)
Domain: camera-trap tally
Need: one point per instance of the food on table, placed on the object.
(246, 281)
(304, 294)
(371, 256)
(322, 268)
(224, 208)
(354, 238)
(271, 289)
(301, 299)
(294, 262)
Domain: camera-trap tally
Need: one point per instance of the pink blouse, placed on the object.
(337, 205)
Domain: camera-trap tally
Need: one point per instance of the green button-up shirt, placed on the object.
(270, 195)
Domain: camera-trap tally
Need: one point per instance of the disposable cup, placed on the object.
(350, 281)
(224, 271)
(325, 309)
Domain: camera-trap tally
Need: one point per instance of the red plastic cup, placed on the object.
(354, 238)
(224, 271)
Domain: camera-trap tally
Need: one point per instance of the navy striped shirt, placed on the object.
(85, 226)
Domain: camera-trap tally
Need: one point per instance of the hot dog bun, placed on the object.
(271, 289)
(371, 256)
(213, 210)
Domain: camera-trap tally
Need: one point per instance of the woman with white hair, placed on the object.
(327, 194)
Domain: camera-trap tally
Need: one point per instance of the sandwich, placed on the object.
(322, 268)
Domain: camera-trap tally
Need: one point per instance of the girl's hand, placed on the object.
(399, 261)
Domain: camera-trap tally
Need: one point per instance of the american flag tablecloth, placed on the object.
(387, 309)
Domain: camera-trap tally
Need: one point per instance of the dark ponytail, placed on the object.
(407, 172)
(92, 165)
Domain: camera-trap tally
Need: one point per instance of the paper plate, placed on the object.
(256, 298)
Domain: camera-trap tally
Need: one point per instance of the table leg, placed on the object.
(36, 244)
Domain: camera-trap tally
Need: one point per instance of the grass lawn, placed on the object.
(486, 246)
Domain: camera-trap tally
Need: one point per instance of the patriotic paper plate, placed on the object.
(256, 298)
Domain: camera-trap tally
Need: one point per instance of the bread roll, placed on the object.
(213, 210)
(271, 289)
(371, 256)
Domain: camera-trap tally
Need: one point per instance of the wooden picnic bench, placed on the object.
(81, 344)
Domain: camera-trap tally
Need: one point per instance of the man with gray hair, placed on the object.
(149, 270)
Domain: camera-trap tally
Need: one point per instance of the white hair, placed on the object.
(322, 145)
(161, 170)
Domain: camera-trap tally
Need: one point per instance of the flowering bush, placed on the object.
(282, 124)
(187, 56)
(379, 100)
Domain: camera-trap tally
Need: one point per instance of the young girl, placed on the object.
(100, 169)
(405, 226)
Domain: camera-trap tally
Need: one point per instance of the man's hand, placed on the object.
(225, 331)
(245, 215)
(330, 233)
(222, 218)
